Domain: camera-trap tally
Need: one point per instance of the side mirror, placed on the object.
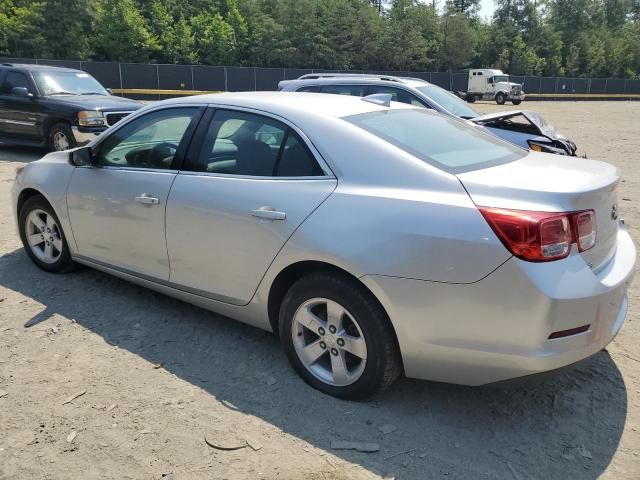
(82, 157)
(109, 91)
(21, 92)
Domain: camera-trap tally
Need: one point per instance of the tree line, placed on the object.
(596, 38)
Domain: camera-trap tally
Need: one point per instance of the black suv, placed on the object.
(60, 108)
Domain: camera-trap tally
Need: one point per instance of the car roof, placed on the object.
(38, 67)
(334, 79)
(291, 104)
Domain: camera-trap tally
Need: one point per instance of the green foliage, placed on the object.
(121, 33)
(532, 37)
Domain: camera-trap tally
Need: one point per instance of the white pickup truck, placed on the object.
(489, 84)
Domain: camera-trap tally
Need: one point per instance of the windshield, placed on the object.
(439, 140)
(500, 78)
(54, 82)
(449, 101)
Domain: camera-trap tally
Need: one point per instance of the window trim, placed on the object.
(197, 143)
(183, 147)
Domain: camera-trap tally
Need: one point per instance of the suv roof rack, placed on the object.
(7, 65)
(315, 76)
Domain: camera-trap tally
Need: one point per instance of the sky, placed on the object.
(486, 8)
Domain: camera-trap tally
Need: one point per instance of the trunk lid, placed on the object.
(551, 183)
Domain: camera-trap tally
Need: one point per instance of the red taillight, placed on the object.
(585, 228)
(541, 236)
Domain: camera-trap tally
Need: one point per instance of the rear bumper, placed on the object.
(498, 328)
(84, 135)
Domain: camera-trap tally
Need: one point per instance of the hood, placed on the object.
(535, 119)
(97, 102)
(531, 123)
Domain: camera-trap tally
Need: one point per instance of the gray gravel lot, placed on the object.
(160, 375)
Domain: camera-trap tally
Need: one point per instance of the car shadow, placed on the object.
(12, 153)
(567, 427)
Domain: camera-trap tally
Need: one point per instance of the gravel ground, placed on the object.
(159, 376)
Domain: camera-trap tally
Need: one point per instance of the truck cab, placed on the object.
(491, 84)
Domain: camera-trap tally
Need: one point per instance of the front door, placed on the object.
(117, 207)
(18, 115)
(251, 181)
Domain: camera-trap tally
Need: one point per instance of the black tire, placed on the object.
(470, 98)
(501, 98)
(64, 262)
(383, 364)
(516, 102)
(60, 129)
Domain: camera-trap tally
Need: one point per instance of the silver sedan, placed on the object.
(376, 238)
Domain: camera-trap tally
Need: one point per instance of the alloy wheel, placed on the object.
(60, 141)
(43, 236)
(329, 342)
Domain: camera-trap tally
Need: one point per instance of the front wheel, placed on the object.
(61, 138)
(516, 102)
(42, 236)
(338, 337)
(501, 98)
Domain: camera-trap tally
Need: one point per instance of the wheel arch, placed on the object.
(51, 121)
(293, 272)
(26, 194)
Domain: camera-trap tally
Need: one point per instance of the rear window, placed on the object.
(439, 140)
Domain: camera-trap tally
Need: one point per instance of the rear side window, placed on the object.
(397, 95)
(353, 90)
(444, 142)
(242, 143)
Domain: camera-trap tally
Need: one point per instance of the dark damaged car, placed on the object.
(524, 128)
(58, 108)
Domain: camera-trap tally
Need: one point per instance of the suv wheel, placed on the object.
(501, 98)
(42, 236)
(337, 336)
(61, 138)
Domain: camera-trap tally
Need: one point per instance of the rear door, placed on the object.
(250, 180)
(18, 115)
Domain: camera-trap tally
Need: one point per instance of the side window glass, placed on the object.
(258, 146)
(296, 161)
(353, 90)
(15, 79)
(310, 88)
(150, 141)
(397, 95)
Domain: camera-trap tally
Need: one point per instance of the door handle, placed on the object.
(268, 213)
(147, 199)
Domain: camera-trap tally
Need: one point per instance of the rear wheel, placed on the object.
(470, 98)
(501, 98)
(42, 236)
(516, 102)
(61, 138)
(338, 337)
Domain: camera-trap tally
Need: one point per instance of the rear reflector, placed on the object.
(541, 236)
(568, 333)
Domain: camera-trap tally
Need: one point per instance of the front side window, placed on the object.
(439, 140)
(54, 82)
(241, 143)
(448, 101)
(14, 79)
(149, 141)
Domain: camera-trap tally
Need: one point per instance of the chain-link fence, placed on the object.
(143, 76)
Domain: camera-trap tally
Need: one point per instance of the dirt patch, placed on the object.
(159, 376)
